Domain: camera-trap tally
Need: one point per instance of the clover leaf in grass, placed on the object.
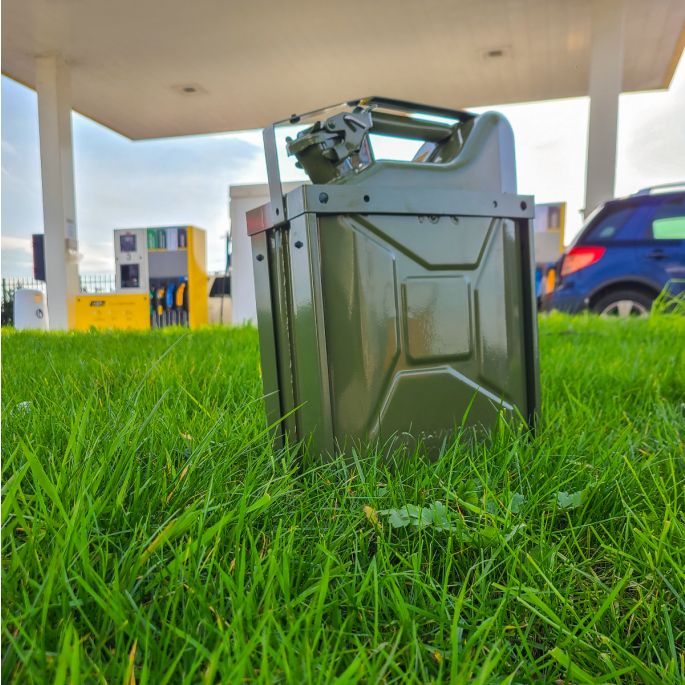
(436, 515)
(517, 501)
(399, 518)
(411, 514)
(419, 516)
(440, 516)
(571, 500)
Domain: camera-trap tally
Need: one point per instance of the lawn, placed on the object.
(152, 535)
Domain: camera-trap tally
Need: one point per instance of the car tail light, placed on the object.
(580, 257)
(551, 279)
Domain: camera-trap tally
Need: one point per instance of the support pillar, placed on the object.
(57, 174)
(606, 81)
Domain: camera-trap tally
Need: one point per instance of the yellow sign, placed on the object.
(120, 311)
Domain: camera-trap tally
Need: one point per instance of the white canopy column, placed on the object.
(57, 173)
(605, 84)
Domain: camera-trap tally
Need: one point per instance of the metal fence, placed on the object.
(97, 283)
(90, 283)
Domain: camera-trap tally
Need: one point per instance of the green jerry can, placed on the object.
(395, 299)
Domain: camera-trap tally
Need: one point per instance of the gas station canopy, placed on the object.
(155, 69)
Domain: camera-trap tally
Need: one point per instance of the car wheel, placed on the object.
(624, 303)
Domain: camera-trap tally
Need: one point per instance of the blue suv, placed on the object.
(629, 250)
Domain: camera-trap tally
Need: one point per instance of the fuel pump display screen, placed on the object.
(127, 243)
(130, 274)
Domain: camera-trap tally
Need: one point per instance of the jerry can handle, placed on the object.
(384, 124)
(413, 108)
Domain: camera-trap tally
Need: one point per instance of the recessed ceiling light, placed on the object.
(496, 53)
(189, 89)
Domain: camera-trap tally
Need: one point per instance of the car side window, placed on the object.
(668, 220)
(619, 223)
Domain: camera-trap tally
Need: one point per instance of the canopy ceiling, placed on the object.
(151, 69)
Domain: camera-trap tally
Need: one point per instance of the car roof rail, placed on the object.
(662, 188)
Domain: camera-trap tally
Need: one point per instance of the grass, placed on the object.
(151, 535)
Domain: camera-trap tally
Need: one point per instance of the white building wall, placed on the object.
(242, 199)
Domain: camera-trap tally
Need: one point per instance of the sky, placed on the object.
(125, 184)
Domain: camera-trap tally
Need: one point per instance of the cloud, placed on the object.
(96, 257)
(16, 243)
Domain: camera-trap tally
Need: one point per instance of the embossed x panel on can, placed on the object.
(423, 324)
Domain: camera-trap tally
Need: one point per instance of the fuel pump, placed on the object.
(150, 265)
(181, 301)
(169, 303)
